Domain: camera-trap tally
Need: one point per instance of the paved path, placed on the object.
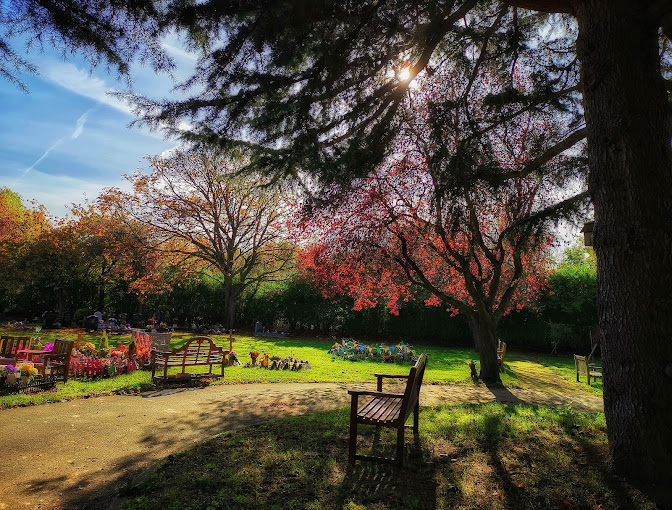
(54, 455)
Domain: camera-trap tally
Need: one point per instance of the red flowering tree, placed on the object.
(481, 257)
(475, 238)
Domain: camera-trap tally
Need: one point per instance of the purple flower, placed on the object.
(49, 347)
(11, 368)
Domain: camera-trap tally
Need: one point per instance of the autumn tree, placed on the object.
(117, 256)
(199, 208)
(20, 226)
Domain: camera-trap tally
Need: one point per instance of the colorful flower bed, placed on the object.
(354, 351)
(110, 361)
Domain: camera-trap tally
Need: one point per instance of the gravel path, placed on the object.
(83, 450)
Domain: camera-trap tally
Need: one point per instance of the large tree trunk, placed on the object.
(230, 302)
(629, 132)
(483, 329)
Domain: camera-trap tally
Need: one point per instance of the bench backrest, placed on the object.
(160, 341)
(10, 345)
(199, 349)
(581, 364)
(412, 393)
(62, 351)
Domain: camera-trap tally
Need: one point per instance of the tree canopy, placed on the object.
(103, 31)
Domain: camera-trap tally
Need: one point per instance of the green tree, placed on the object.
(569, 308)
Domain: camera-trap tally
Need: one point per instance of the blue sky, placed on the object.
(67, 139)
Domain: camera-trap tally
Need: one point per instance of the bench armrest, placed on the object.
(375, 393)
(380, 377)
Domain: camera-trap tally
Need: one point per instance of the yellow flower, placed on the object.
(26, 367)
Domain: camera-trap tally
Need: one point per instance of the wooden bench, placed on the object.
(501, 353)
(387, 410)
(588, 369)
(199, 351)
(58, 360)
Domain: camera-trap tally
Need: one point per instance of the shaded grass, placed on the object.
(446, 366)
(467, 456)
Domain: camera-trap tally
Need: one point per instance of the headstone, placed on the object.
(90, 323)
(137, 320)
(49, 318)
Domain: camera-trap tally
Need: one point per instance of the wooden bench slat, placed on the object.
(373, 407)
(386, 411)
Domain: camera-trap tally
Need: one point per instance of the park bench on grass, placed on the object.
(588, 369)
(199, 351)
(501, 353)
(387, 410)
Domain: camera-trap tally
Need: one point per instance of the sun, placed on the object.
(405, 75)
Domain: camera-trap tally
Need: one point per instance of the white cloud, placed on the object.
(179, 53)
(79, 128)
(168, 153)
(41, 158)
(42, 185)
(69, 76)
(80, 124)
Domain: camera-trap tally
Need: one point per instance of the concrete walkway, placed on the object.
(55, 456)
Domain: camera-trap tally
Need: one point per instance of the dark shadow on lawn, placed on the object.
(317, 447)
(503, 395)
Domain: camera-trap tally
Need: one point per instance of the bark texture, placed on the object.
(629, 133)
(483, 329)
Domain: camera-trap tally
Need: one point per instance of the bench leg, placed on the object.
(416, 418)
(400, 446)
(352, 444)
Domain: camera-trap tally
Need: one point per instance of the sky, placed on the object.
(67, 139)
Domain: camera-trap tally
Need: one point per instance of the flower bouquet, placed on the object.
(254, 355)
(10, 374)
(28, 371)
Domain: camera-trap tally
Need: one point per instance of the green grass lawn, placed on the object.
(446, 366)
(467, 457)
